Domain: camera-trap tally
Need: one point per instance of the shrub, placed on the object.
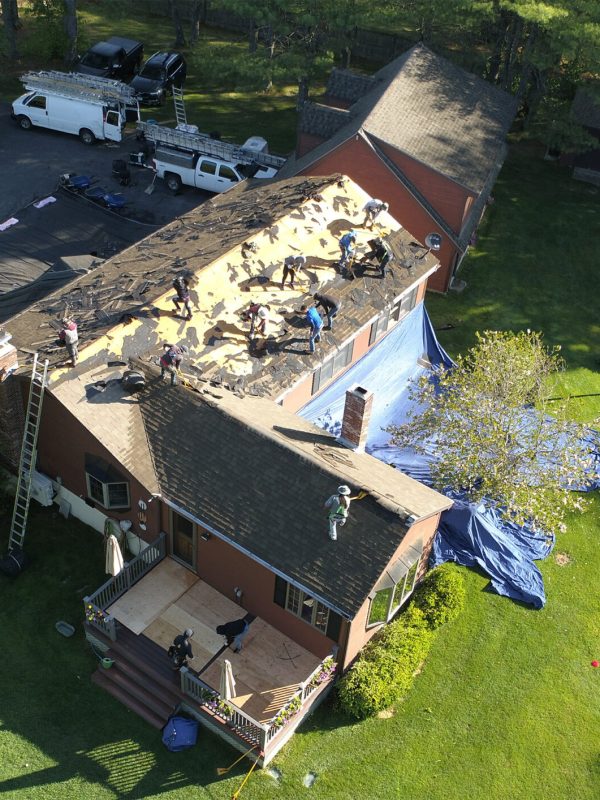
(384, 671)
(440, 597)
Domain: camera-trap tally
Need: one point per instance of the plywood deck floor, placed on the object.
(267, 671)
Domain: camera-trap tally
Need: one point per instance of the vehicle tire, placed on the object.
(86, 136)
(24, 123)
(173, 182)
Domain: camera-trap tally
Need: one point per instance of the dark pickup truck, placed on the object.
(116, 58)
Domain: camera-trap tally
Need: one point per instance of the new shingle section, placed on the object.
(347, 85)
(323, 120)
(260, 475)
(433, 111)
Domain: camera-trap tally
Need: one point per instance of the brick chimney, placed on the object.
(8, 355)
(357, 413)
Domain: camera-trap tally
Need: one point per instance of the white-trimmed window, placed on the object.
(406, 303)
(395, 587)
(303, 605)
(331, 367)
(105, 485)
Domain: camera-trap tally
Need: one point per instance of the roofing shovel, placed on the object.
(150, 188)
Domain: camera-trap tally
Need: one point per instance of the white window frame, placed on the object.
(104, 500)
(295, 600)
(402, 574)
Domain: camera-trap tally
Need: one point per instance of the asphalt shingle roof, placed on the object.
(260, 475)
(433, 111)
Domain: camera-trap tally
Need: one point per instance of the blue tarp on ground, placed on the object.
(180, 733)
(469, 534)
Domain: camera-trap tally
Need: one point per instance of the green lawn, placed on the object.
(507, 705)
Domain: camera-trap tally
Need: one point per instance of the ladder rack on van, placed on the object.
(203, 144)
(80, 87)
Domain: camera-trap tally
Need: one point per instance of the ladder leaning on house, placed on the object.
(28, 455)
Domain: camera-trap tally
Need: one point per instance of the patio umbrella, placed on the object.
(114, 558)
(227, 685)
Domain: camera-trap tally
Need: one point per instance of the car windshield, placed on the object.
(153, 72)
(96, 61)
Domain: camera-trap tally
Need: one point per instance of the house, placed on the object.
(218, 483)
(586, 111)
(422, 134)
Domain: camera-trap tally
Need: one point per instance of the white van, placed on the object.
(87, 120)
(87, 106)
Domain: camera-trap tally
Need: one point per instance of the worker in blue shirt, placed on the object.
(316, 326)
(347, 246)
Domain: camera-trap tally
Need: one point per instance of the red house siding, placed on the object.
(68, 463)
(356, 159)
(359, 633)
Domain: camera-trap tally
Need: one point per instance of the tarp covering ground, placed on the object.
(469, 534)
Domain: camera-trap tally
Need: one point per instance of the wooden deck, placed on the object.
(268, 670)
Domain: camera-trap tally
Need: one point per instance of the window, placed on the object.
(113, 118)
(405, 304)
(105, 485)
(209, 167)
(303, 605)
(227, 173)
(395, 587)
(379, 327)
(37, 101)
(332, 366)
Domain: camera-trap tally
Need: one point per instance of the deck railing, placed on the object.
(96, 604)
(257, 733)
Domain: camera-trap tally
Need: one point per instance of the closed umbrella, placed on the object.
(227, 685)
(114, 557)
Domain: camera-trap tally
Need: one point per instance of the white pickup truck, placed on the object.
(208, 172)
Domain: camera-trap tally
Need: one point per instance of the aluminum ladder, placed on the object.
(83, 87)
(202, 143)
(28, 455)
(178, 102)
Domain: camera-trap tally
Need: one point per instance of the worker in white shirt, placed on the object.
(373, 208)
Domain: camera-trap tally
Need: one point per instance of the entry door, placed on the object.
(112, 126)
(183, 532)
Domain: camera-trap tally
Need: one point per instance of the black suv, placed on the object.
(157, 77)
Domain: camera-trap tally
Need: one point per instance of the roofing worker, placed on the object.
(316, 326)
(330, 305)
(181, 649)
(234, 633)
(373, 208)
(259, 319)
(347, 246)
(338, 505)
(182, 287)
(381, 253)
(170, 360)
(70, 337)
(291, 266)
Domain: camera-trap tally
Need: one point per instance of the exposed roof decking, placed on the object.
(227, 278)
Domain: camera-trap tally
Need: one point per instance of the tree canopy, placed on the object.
(495, 435)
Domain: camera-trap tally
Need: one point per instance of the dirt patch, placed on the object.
(562, 559)
(389, 712)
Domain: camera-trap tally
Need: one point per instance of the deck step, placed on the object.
(170, 695)
(101, 679)
(146, 694)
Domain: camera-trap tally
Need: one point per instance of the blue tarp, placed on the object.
(180, 733)
(469, 534)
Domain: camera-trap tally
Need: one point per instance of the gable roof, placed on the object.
(124, 308)
(258, 475)
(433, 111)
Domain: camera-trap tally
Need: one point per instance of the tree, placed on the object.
(11, 23)
(488, 423)
(70, 22)
(176, 17)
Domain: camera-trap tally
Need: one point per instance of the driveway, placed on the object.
(31, 163)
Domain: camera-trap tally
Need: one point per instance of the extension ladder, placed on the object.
(28, 455)
(179, 104)
(81, 87)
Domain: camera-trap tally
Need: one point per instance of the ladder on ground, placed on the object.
(80, 87)
(179, 104)
(203, 144)
(28, 455)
